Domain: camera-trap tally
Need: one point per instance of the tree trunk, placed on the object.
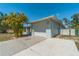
(69, 31)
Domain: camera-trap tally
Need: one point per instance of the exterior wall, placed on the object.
(42, 28)
(49, 33)
(66, 32)
(46, 28)
(42, 34)
(46, 34)
(55, 29)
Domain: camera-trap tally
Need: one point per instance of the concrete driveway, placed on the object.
(38, 46)
(51, 47)
(14, 46)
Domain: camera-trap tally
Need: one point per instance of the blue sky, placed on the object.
(36, 11)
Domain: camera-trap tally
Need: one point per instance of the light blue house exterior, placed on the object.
(47, 27)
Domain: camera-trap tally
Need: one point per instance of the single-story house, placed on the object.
(47, 27)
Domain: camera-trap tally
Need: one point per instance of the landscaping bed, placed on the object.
(5, 36)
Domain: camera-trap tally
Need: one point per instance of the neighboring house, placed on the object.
(47, 27)
(27, 29)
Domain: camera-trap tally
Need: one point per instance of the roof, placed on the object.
(42, 19)
(54, 18)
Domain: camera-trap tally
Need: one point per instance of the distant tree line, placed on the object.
(74, 23)
(13, 21)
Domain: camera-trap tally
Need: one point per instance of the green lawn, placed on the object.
(5, 36)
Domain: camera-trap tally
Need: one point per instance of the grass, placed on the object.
(77, 44)
(5, 36)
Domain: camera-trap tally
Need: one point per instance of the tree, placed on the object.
(3, 26)
(15, 22)
(75, 21)
(67, 24)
